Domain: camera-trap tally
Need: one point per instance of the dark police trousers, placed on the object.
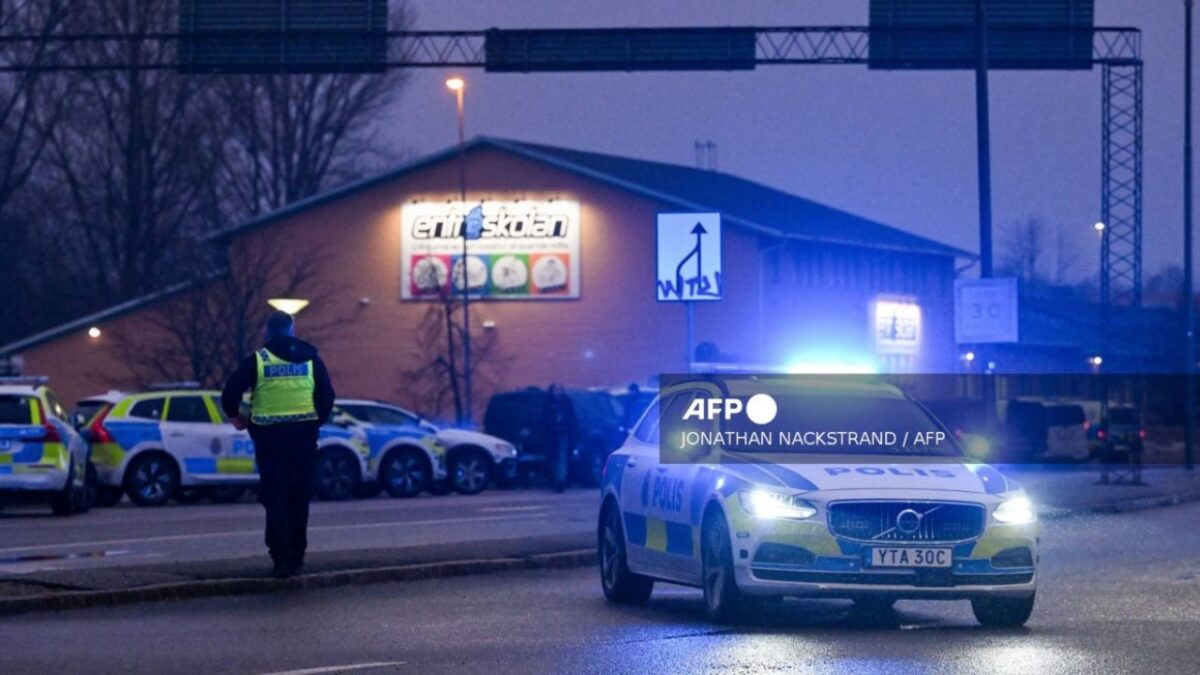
(286, 455)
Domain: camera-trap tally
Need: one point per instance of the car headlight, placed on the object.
(1015, 511)
(767, 504)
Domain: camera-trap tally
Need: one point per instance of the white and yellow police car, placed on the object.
(468, 460)
(815, 513)
(176, 443)
(41, 454)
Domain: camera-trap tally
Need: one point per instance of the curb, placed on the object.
(208, 588)
(1126, 506)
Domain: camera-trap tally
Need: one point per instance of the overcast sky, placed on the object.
(897, 147)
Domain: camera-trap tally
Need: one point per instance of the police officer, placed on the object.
(291, 398)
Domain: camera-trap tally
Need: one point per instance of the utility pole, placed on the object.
(982, 136)
(1189, 440)
(457, 85)
(983, 152)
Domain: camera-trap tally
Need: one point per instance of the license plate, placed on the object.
(910, 557)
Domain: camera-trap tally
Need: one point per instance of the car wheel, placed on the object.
(723, 600)
(1003, 612)
(226, 494)
(337, 475)
(107, 496)
(91, 485)
(404, 473)
(470, 472)
(151, 480)
(619, 583)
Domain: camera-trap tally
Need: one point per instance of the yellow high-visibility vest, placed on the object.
(283, 391)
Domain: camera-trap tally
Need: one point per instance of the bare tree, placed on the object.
(132, 165)
(1023, 249)
(31, 103)
(435, 387)
(215, 319)
(291, 136)
(1039, 253)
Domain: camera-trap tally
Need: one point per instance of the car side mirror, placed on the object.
(342, 420)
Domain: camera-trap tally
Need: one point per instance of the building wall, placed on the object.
(613, 334)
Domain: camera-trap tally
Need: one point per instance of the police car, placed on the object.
(469, 459)
(176, 443)
(749, 519)
(41, 454)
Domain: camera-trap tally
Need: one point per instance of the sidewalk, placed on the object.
(1059, 492)
(1071, 490)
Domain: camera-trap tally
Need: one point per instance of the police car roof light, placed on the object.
(25, 379)
(163, 386)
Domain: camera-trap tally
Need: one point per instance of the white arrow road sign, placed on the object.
(689, 257)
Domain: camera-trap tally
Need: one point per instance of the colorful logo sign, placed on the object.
(526, 250)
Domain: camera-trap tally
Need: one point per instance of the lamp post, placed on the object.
(1189, 440)
(458, 86)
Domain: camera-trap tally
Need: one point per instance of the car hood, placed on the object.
(864, 474)
(452, 437)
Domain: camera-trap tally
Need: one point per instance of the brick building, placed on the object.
(806, 285)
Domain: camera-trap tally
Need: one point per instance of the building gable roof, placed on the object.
(739, 201)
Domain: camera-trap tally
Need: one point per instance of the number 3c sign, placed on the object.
(985, 311)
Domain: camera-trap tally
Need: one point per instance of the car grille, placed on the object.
(877, 521)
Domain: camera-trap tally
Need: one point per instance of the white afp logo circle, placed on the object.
(761, 409)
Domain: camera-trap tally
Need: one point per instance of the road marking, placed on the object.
(258, 533)
(497, 509)
(338, 669)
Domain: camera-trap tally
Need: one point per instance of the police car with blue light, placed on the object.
(754, 489)
(412, 454)
(174, 442)
(41, 455)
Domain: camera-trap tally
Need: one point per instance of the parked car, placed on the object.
(471, 459)
(1066, 432)
(1122, 437)
(631, 402)
(517, 417)
(176, 444)
(977, 431)
(86, 408)
(1026, 431)
(42, 456)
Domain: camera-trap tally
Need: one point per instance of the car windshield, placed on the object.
(868, 425)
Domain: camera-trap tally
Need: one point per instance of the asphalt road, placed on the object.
(31, 540)
(1118, 594)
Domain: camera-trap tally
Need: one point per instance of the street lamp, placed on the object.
(288, 305)
(1099, 227)
(459, 86)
